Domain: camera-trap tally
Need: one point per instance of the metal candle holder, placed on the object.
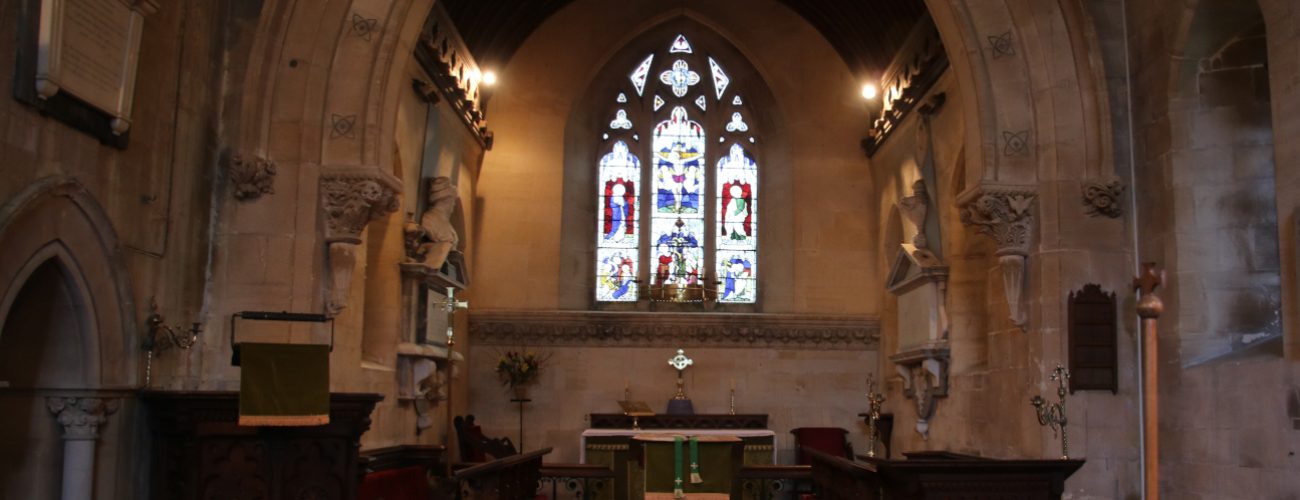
(1053, 415)
(876, 400)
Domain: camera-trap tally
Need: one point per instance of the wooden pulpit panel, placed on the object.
(1093, 340)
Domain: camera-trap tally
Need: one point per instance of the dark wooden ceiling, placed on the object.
(866, 33)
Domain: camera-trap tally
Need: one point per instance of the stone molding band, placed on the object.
(642, 329)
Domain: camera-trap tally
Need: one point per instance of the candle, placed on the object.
(733, 384)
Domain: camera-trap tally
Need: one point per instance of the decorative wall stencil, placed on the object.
(1093, 340)
(660, 329)
(1004, 213)
(443, 55)
(1001, 45)
(364, 27)
(1102, 198)
(922, 60)
(1015, 143)
(250, 176)
(342, 126)
(350, 199)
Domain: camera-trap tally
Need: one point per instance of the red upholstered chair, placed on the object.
(830, 440)
(406, 483)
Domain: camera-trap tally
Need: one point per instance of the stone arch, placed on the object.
(55, 221)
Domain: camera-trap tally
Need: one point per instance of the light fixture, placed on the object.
(489, 78)
(869, 91)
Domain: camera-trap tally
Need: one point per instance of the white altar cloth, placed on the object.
(740, 433)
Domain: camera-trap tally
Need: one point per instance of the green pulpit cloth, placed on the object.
(702, 474)
(284, 384)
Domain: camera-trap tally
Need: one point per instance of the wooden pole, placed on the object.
(1149, 308)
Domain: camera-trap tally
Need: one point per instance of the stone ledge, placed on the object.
(658, 329)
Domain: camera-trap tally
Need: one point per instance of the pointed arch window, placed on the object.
(698, 227)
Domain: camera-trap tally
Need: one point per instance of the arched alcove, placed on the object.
(1224, 216)
(43, 342)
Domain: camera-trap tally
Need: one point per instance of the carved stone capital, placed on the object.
(351, 198)
(80, 417)
(1004, 213)
(1102, 197)
(640, 329)
(251, 176)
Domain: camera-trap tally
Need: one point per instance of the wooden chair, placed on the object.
(830, 440)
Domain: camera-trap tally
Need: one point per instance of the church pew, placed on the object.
(574, 480)
(510, 478)
(931, 474)
(400, 472)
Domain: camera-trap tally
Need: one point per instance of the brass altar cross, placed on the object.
(680, 362)
(450, 305)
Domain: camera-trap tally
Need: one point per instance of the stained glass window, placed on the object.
(720, 78)
(737, 229)
(699, 224)
(618, 233)
(680, 45)
(640, 73)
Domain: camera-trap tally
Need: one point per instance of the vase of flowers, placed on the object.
(517, 370)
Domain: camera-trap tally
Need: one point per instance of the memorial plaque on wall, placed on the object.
(89, 49)
(1094, 342)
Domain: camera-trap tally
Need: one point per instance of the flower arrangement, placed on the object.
(516, 369)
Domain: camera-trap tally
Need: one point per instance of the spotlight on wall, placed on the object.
(489, 78)
(869, 91)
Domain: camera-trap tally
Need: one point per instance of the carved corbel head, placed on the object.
(350, 199)
(1005, 213)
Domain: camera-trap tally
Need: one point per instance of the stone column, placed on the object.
(80, 418)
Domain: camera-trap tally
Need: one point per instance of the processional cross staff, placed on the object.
(1149, 308)
(449, 304)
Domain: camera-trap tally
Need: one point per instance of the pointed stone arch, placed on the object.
(55, 221)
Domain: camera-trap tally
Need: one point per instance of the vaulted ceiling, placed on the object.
(866, 33)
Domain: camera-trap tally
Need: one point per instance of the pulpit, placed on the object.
(201, 452)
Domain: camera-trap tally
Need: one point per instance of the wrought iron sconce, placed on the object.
(162, 336)
(1053, 415)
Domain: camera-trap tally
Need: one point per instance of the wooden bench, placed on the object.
(511, 478)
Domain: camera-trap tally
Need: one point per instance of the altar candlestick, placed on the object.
(733, 384)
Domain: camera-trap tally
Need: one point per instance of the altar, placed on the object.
(608, 442)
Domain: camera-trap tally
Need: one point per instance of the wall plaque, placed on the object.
(89, 49)
(1094, 345)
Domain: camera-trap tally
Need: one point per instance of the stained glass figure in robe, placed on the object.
(737, 207)
(620, 171)
(678, 254)
(737, 272)
(679, 151)
(616, 273)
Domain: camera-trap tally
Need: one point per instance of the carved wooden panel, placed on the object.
(201, 453)
(1093, 340)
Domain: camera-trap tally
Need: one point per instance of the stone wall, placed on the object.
(1214, 190)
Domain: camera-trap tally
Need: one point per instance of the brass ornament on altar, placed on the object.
(876, 401)
(680, 362)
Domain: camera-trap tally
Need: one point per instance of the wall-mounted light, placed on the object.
(869, 91)
(489, 78)
(162, 336)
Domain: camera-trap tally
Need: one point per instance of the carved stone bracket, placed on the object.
(350, 199)
(81, 417)
(1004, 213)
(925, 378)
(251, 176)
(1101, 198)
(639, 329)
